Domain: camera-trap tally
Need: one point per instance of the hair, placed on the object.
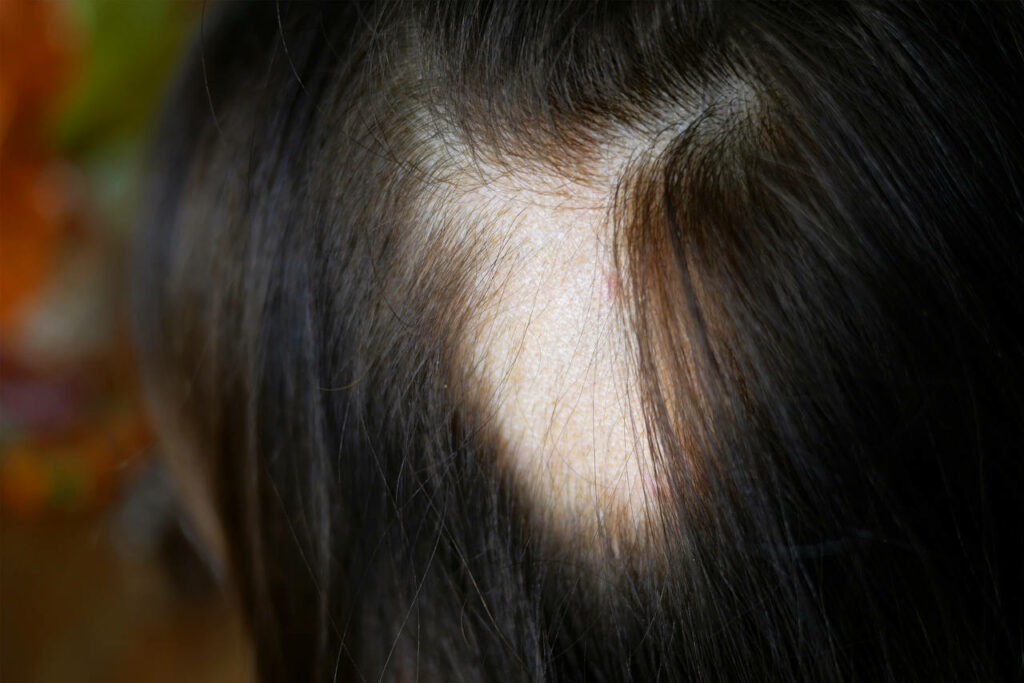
(407, 269)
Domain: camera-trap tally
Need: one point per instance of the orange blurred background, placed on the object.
(100, 577)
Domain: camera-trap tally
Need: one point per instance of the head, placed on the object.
(600, 341)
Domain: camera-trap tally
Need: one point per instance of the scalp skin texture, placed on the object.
(586, 341)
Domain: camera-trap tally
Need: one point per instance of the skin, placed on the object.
(549, 346)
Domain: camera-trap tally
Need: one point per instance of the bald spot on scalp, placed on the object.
(547, 349)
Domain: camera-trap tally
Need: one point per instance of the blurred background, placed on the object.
(100, 578)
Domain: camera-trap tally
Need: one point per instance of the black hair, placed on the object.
(815, 238)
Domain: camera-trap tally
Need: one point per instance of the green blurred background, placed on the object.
(100, 579)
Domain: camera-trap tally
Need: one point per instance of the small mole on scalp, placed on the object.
(612, 287)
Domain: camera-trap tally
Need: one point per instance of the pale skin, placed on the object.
(549, 346)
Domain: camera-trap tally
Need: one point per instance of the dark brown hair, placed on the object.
(817, 239)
